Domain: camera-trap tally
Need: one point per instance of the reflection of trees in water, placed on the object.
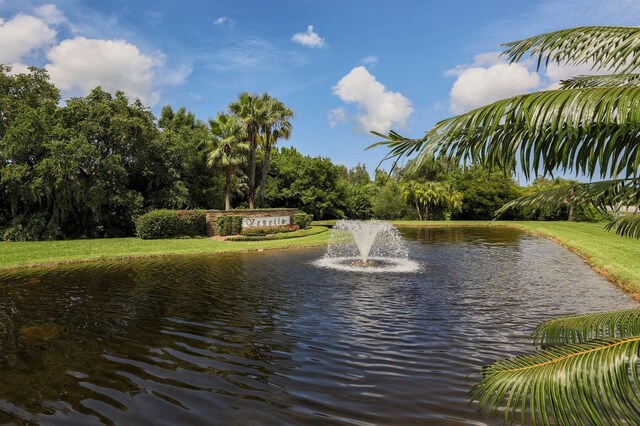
(469, 234)
(108, 326)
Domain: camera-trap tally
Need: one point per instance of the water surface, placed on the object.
(267, 338)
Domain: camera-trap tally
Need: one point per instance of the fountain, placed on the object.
(367, 246)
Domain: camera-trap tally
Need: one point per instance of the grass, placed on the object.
(281, 236)
(15, 255)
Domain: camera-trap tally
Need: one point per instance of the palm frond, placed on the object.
(609, 80)
(601, 194)
(627, 226)
(575, 130)
(586, 327)
(615, 48)
(593, 383)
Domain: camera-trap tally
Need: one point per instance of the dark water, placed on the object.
(267, 338)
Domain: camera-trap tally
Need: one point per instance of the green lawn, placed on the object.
(616, 257)
(43, 253)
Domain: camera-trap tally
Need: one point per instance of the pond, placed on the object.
(268, 338)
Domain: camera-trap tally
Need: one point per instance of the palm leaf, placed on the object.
(586, 327)
(615, 48)
(610, 80)
(628, 226)
(601, 194)
(587, 131)
(593, 383)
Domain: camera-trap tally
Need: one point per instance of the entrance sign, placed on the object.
(255, 222)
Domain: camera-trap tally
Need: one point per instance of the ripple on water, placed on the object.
(272, 338)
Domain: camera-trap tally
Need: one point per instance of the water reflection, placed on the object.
(269, 338)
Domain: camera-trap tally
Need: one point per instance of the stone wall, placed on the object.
(213, 215)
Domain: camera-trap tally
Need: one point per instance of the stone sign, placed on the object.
(255, 222)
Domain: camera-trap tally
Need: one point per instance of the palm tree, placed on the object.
(276, 125)
(251, 110)
(229, 148)
(586, 370)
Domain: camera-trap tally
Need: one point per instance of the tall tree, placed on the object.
(276, 125)
(586, 371)
(251, 110)
(229, 148)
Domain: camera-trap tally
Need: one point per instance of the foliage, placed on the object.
(302, 220)
(312, 184)
(29, 228)
(432, 198)
(388, 201)
(267, 230)
(483, 193)
(171, 223)
(228, 148)
(314, 230)
(228, 225)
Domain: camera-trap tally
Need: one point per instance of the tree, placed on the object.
(251, 109)
(587, 368)
(276, 125)
(229, 148)
(430, 197)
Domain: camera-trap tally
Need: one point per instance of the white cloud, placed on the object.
(82, 63)
(50, 14)
(487, 80)
(370, 60)
(337, 116)
(224, 20)
(23, 35)
(379, 108)
(309, 38)
(555, 73)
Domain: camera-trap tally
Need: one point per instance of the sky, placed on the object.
(344, 66)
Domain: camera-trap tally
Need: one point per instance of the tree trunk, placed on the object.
(418, 209)
(252, 169)
(426, 213)
(265, 165)
(227, 188)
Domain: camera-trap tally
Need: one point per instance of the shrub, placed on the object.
(282, 235)
(265, 230)
(29, 228)
(171, 223)
(302, 219)
(229, 225)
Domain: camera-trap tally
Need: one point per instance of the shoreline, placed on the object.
(603, 251)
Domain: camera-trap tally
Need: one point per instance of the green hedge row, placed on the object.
(303, 220)
(171, 223)
(281, 236)
(229, 225)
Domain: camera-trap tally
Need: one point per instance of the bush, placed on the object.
(266, 230)
(229, 225)
(29, 228)
(303, 220)
(282, 235)
(171, 223)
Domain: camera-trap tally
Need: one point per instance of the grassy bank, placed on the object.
(15, 255)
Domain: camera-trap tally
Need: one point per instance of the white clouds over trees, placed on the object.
(378, 108)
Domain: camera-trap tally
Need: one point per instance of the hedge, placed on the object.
(171, 223)
(303, 220)
(281, 236)
(229, 225)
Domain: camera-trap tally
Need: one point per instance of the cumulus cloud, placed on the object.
(487, 80)
(50, 14)
(309, 38)
(23, 35)
(225, 20)
(555, 72)
(82, 63)
(379, 108)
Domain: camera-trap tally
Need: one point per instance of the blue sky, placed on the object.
(362, 65)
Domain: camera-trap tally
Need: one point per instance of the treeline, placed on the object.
(87, 168)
